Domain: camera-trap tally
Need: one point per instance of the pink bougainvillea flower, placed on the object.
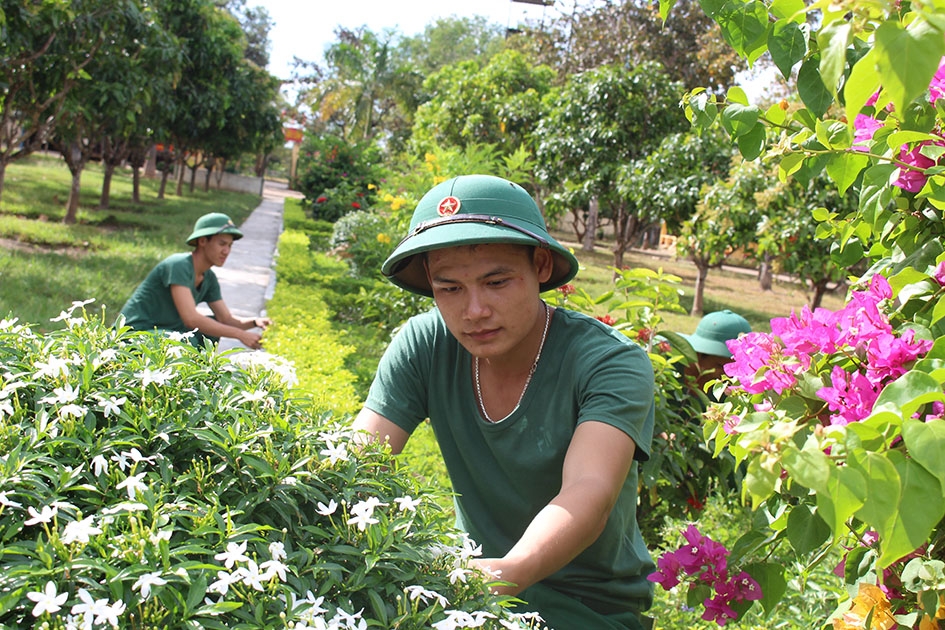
(850, 395)
(912, 177)
(718, 610)
(864, 127)
(939, 273)
(937, 86)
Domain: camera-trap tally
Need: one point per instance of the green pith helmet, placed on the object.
(472, 210)
(214, 223)
(715, 329)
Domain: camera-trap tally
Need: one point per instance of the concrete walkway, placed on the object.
(247, 279)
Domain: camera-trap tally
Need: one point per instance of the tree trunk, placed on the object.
(702, 270)
(590, 230)
(181, 167)
(262, 161)
(106, 185)
(72, 207)
(193, 176)
(206, 179)
(3, 174)
(75, 160)
(820, 289)
(135, 184)
(765, 274)
(164, 174)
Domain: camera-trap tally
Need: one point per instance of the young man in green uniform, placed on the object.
(168, 297)
(541, 413)
(710, 343)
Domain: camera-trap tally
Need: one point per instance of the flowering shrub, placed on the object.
(146, 483)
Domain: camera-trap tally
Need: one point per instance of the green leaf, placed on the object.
(665, 7)
(863, 82)
(811, 87)
(876, 192)
(899, 138)
(787, 44)
(833, 134)
(833, 41)
(736, 94)
(740, 119)
(909, 393)
(806, 530)
(751, 144)
(882, 489)
(770, 577)
(845, 168)
(921, 507)
(744, 26)
(846, 488)
(788, 9)
(789, 165)
(907, 59)
(925, 442)
(809, 467)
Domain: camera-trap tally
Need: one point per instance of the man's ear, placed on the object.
(544, 262)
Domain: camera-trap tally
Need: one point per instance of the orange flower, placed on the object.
(870, 598)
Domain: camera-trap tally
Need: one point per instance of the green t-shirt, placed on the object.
(504, 473)
(151, 305)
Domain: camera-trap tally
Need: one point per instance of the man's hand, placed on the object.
(251, 339)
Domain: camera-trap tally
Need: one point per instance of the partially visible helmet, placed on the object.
(472, 210)
(214, 223)
(715, 329)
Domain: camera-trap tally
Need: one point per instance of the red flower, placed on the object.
(567, 289)
(355, 205)
(321, 199)
(607, 319)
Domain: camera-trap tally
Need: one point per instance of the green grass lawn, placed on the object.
(45, 265)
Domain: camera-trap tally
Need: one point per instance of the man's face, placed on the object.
(217, 248)
(488, 294)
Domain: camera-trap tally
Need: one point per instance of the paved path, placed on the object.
(248, 279)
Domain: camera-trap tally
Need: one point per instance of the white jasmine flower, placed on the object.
(455, 619)
(6, 406)
(122, 460)
(165, 437)
(251, 576)
(79, 531)
(335, 453)
(125, 506)
(47, 600)
(105, 356)
(135, 456)
(234, 554)
(146, 581)
(164, 535)
(112, 406)
(367, 505)
(47, 514)
(363, 520)
(407, 503)
(109, 613)
(277, 550)
(224, 580)
(458, 573)
(7, 502)
(76, 411)
(62, 395)
(418, 592)
(290, 481)
(254, 396)
(327, 510)
(173, 335)
(273, 568)
(99, 465)
(8, 323)
(133, 485)
(158, 377)
(55, 368)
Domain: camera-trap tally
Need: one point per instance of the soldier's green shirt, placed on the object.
(504, 473)
(151, 305)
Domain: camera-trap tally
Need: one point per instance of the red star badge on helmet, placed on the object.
(448, 206)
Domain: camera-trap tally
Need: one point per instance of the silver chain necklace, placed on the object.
(528, 379)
